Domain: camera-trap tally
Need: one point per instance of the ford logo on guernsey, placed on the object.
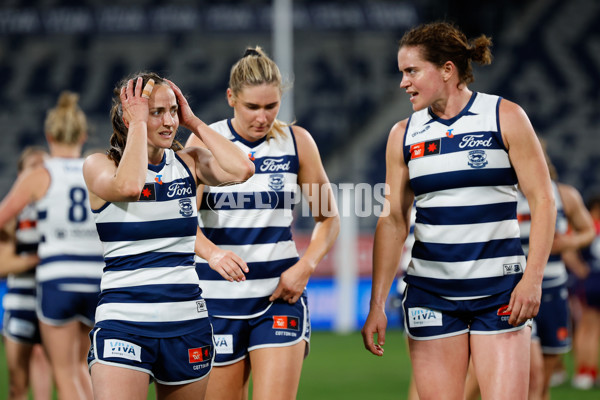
(178, 189)
(475, 141)
(274, 165)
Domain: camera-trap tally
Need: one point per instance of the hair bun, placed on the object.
(251, 52)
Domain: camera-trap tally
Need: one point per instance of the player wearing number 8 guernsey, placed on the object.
(68, 275)
(70, 251)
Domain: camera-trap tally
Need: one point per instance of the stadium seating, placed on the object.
(345, 81)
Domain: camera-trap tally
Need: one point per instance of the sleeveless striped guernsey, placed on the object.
(149, 286)
(591, 254)
(69, 249)
(252, 219)
(466, 231)
(21, 287)
(555, 272)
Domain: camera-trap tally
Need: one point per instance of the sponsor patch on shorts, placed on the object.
(199, 354)
(122, 349)
(503, 313)
(223, 344)
(285, 322)
(419, 317)
(503, 310)
(20, 327)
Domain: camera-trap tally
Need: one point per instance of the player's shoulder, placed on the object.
(397, 132)
(304, 140)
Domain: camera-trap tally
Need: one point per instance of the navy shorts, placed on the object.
(428, 316)
(553, 321)
(283, 324)
(22, 326)
(169, 361)
(591, 289)
(59, 302)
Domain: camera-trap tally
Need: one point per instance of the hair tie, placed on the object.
(472, 51)
(251, 52)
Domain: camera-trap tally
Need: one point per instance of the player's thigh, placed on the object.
(17, 357)
(61, 342)
(502, 363)
(229, 382)
(191, 391)
(446, 359)
(281, 362)
(536, 370)
(116, 383)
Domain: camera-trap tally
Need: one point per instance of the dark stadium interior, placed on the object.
(345, 84)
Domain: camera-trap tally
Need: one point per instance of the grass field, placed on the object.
(338, 367)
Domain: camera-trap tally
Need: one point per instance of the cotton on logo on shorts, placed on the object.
(421, 317)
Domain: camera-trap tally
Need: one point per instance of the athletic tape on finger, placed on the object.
(148, 89)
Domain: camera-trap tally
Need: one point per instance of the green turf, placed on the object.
(339, 367)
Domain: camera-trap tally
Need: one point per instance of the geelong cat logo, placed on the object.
(477, 159)
(276, 181)
(186, 208)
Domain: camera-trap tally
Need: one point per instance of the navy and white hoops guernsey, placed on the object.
(20, 320)
(150, 286)
(555, 273)
(591, 285)
(466, 232)
(252, 219)
(69, 250)
(553, 321)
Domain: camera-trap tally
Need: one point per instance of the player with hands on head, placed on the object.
(151, 320)
(460, 156)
